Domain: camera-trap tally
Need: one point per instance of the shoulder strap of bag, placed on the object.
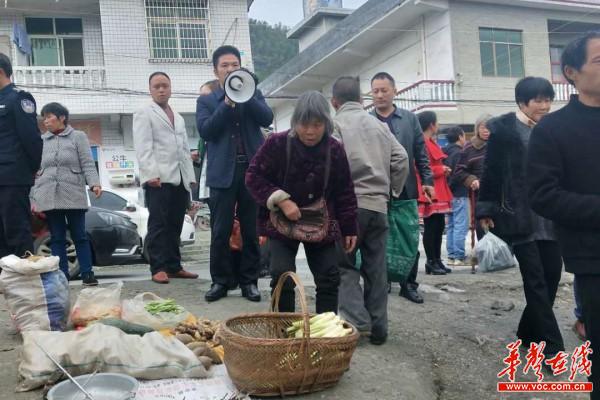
(327, 167)
(288, 156)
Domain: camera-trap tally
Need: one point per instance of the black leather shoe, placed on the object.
(250, 292)
(216, 292)
(377, 340)
(443, 266)
(411, 294)
(432, 268)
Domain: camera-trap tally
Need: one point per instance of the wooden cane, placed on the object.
(472, 229)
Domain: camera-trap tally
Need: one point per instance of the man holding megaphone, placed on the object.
(229, 120)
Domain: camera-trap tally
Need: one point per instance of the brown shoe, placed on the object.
(579, 329)
(160, 277)
(183, 274)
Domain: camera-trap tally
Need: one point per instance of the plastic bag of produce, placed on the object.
(151, 310)
(493, 254)
(106, 349)
(96, 303)
(36, 291)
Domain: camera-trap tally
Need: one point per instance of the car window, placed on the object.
(108, 201)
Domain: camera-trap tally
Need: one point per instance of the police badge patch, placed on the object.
(28, 106)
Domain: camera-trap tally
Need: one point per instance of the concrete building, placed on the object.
(460, 58)
(95, 56)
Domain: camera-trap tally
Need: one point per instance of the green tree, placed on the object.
(270, 47)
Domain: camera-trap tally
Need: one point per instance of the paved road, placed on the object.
(198, 262)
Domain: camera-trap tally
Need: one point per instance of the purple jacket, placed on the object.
(265, 176)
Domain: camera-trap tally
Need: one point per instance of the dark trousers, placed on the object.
(166, 206)
(323, 263)
(222, 205)
(432, 236)
(411, 279)
(587, 286)
(366, 308)
(541, 266)
(15, 221)
(58, 221)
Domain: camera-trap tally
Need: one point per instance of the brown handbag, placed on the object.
(313, 225)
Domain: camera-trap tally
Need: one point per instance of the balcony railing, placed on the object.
(425, 94)
(563, 91)
(65, 77)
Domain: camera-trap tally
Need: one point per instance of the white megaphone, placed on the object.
(240, 85)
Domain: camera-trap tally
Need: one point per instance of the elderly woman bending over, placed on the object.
(317, 169)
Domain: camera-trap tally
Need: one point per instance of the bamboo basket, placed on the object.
(261, 361)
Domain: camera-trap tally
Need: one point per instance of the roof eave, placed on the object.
(346, 30)
(319, 13)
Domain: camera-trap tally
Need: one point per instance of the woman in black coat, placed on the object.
(503, 207)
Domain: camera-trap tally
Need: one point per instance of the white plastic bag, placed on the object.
(493, 254)
(96, 303)
(106, 349)
(36, 291)
(134, 311)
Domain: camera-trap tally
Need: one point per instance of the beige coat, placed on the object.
(162, 150)
(378, 163)
(67, 166)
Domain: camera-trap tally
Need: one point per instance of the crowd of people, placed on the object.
(350, 187)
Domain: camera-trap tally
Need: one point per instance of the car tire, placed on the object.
(42, 248)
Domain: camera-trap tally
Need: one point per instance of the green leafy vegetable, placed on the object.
(164, 306)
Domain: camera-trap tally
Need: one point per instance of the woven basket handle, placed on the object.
(303, 305)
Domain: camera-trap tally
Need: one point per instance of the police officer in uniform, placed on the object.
(20, 158)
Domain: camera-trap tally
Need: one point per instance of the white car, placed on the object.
(139, 215)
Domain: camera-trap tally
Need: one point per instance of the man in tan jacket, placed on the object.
(379, 165)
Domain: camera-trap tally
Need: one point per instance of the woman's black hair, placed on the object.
(426, 118)
(57, 109)
(532, 87)
(453, 133)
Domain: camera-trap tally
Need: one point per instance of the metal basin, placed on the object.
(102, 387)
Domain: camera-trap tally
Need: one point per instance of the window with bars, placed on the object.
(55, 41)
(177, 29)
(555, 54)
(501, 52)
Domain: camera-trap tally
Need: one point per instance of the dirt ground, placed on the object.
(449, 348)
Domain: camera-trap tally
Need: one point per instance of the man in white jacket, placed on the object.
(379, 165)
(166, 173)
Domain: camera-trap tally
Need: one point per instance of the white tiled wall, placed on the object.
(92, 41)
(92, 34)
(117, 40)
(126, 50)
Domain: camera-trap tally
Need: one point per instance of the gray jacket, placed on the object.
(407, 130)
(378, 162)
(67, 166)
